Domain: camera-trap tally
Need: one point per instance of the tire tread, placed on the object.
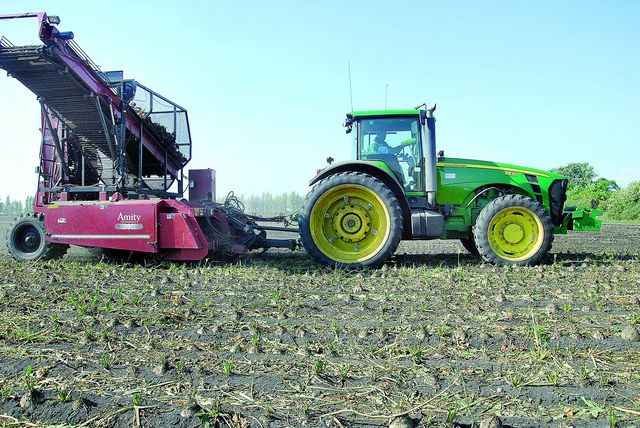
(372, 183)
(484, 219)
(50, 250)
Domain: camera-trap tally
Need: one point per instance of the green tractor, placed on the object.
(399, 188)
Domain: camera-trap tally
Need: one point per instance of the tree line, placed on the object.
(15, 208)
(587, 189)
(268, 204)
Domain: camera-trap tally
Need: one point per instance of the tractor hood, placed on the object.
(487, 165)
(459, 180)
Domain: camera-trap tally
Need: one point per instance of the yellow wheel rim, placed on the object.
(349, 223)
(515, 234)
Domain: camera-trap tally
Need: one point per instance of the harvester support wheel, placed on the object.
(469, 244)
(26, 240)
(513, 230)
(351, 219)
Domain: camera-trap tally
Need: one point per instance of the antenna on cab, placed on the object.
(350, 86)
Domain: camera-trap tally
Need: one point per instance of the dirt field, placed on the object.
(435, 338)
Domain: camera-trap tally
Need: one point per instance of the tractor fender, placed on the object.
(381, 174)
(510, 188)
(507, 188)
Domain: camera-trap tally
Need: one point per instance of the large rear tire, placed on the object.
(351, 219)
(513, 230)
(26, 240)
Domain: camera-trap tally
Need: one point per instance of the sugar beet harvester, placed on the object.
(111, 150)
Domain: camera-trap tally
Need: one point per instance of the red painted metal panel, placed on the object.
(185, 255)
(124, 225)
(176, 232)
(202, 184)
(179, 234)
(165, 226)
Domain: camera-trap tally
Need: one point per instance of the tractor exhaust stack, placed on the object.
(431, 178)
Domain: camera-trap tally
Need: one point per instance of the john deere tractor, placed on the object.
(397, 188)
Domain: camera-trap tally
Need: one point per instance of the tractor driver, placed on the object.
(382, 147)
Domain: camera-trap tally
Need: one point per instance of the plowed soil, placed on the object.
(435, 338)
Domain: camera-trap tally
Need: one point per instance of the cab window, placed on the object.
(396, 142)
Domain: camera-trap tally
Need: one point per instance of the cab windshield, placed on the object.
(396, 142)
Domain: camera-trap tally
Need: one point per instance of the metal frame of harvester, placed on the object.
(111, 150)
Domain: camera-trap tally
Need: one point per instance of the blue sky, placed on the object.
(539, 83)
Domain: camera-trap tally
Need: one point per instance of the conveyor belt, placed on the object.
(39, 69)
(63, 94)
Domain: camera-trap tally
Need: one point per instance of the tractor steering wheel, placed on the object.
(408, 142)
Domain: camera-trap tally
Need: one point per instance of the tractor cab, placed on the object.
(396, 141)
(402, 142)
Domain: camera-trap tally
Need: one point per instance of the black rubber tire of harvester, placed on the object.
(375, 185)
(481, 229)
(26, 240)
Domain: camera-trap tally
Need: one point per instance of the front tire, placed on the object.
(26, 240)
(513, 230)
(351, 219)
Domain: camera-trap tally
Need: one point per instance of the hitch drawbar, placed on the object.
(291, 244)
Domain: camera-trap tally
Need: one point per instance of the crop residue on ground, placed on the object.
(434, 338)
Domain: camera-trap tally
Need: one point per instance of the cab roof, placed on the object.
(371, 113)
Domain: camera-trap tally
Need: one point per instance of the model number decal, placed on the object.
(129, 226)
(511, 173)
(463, 165)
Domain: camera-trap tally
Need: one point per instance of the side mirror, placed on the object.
(348, 123)
(330, 160)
